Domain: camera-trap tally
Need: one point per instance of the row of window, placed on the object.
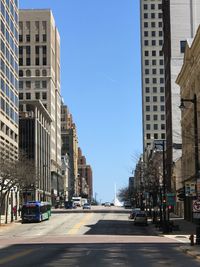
(8, 56)
(152, 6)
(12, 7)
(152, 24)
(37, 38)
(38, 95)
(28, 107)
(8, 110)
(154, 90)
(153, 33)
(154, 71)
(153, 15)
(155, 117)
(153, 42)
(28, 73)
(155, 136)
(35, 85)
(154, 80)
(154, 62)
(27, 61)
(5, 129)
(10, 16)
(37, 25)
(155, 127)
(9, 93)
(8, 74)
(153, 53)
(154, 99)
(155, 108)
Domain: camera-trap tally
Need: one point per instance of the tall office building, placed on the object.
(39, 72)
(9, 78)
(153, 90)
(70, 147)
(181, 20)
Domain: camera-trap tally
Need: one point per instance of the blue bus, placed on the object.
(35, 211)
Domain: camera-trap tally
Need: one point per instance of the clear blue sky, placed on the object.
(101, 84)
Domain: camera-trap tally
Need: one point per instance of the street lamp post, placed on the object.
(163, 196)
(196, 151)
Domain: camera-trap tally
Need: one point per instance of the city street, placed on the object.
(104, 237)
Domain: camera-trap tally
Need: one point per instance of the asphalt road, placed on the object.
(89, 239)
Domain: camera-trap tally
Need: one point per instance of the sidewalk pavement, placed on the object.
(185, 228)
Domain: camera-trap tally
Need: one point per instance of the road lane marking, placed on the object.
(15, 256)
(77, 226)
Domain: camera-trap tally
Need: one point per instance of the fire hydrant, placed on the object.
(191, 238)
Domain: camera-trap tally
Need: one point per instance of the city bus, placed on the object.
(35, 211)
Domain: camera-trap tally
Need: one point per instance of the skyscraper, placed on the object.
(39, 72)
(153, 90)
(9, 79)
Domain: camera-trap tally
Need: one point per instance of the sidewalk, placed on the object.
(186, 228)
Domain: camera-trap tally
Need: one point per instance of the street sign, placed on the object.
(196, 206)
(171, 199)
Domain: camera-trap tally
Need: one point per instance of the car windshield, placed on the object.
(141, 215)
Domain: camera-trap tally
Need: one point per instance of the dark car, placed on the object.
(133, 213)
(69, 205)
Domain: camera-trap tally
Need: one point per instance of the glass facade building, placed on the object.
(9, 77)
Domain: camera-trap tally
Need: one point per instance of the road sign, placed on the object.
(171, 199)
(196, 205)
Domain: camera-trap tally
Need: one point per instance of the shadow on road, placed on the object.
(117, 227)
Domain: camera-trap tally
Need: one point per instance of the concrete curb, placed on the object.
(191, 251)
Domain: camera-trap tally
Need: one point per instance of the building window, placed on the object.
(155, 136)
(145, 15)
(145, 24)
(148, 126)
(155, 126)
(162, 117)
(147, 98)
(161, 80)
(153, 34)
(148, 117)
(28, 95)
(153, 24)
(21, 61)
(146, 53)
(37, 84)
(153, 15)
(21, 84)
(146, 71)
(162, 136)
(182, 46)
(21, 96)
(153, 53)
(44, 84)
(44, 37)
(147, 108)
(148, 136)
(44, 73)
(37, 38)
(154, 89)
(37, 61)
(44, 96)
(28, 61)
(21, 74)
(20, 38)
(155, 108)
(37, 95)
(154, 80)
(146, 62)
(154, 98)
(147, 90)
(154, 62)
(146, 80)
(162, 126)
(154, 71)
(162, 99)
(37, 72)
(146, 42)
(44, 61)
(28, 38)
(162, 89)
(162, 108)
(155, 117)
(153, 42)
(28, 84)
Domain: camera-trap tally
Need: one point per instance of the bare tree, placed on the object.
(20, 173)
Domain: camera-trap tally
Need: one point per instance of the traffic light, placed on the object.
(181, 194)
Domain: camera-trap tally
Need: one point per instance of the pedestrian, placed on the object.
(19, 210)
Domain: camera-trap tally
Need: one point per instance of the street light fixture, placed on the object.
(196, 151)
(161, 143)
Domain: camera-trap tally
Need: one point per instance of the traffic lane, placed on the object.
(85, 255)
(80, 223)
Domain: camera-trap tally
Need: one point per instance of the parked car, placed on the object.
(69, 205)
(133, 213)
(127, 204)
(141, 218)
(86, 206)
